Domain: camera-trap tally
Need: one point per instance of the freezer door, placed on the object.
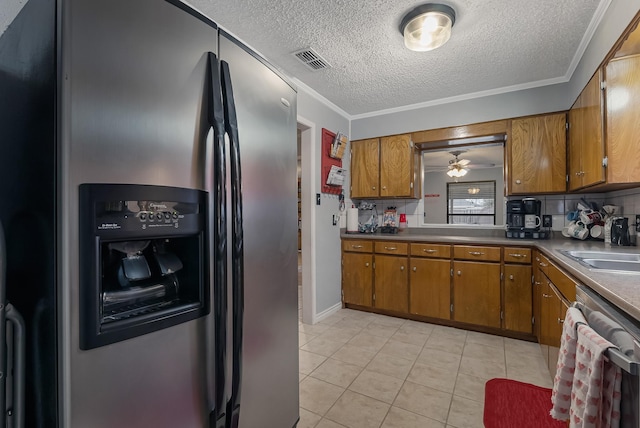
(133, 110)
(266, 114)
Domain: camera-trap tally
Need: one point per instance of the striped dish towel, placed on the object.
(563, 381)
(595, 394)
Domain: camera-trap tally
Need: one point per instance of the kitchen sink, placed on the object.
(606, 260)
(602, 255)
(619, 265)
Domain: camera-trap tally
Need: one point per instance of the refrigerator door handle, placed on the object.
(237, 252)
(19, 345)
(217, 417)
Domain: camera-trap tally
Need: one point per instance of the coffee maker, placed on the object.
(524, 220)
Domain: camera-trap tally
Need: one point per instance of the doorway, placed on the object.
(306, 221)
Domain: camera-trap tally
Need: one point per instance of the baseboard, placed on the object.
(328, 312)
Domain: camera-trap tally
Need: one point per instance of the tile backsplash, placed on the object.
(555, 205)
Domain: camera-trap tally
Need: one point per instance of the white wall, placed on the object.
(327, 236)
(494, 107)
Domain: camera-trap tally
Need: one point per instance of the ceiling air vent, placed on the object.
(311, 59)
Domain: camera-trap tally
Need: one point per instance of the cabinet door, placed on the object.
(552, 315)
(592, 147)
(476, 293)
(538, 154)
(357, 279)
(538, 280)
(396, 166)
(430, 288)
(365, 169)
(392, 283)
(574, 145)
(517, 298)
(547, 311)
(623, 119)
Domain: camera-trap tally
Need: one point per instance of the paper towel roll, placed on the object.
(352, 220)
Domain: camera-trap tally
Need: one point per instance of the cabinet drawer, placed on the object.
(563, 283)
(517, 255)
(400, 248)
(542, 262)
(438, 251)
(470, 252)
(355, 246)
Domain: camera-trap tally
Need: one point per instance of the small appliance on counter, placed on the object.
(524, 220)
(389, 221)
(367, 217)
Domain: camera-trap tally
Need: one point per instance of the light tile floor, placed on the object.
(362, 370)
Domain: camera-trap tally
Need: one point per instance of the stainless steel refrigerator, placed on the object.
(148, 196)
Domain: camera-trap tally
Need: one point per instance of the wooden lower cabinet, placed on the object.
(391, 283)
(552, 312)
(430, 288)
(357, 279)
(476, 293)
(518, 298)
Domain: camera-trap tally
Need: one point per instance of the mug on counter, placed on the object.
(531, 221)
(590, 217)
(578, 230)
(597, 231)
(573, 215)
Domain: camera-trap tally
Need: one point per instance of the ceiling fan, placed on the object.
(458, 167)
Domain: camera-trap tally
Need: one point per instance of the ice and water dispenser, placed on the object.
(143, 260)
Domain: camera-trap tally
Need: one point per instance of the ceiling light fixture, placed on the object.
(427, 27)
(457, 172)
(473, 190)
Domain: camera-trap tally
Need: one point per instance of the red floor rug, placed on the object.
(512, 404)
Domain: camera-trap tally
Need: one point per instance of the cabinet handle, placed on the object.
(476, 253)
(367, 264)
(430, 251)
(519, 256)
(390, 248)
(537, 283)
(384, 187)
(543, 264)
(560, 321)
(459, 273)
(357, 247)
(415, 269)
(402, 268)
(546, 296)
(373, 188)
(511, 277)
(518, 182)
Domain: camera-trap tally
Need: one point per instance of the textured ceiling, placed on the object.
(496, 46)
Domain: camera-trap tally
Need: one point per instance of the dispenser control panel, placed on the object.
(146, 214)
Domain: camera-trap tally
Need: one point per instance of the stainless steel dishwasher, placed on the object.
(623, 331)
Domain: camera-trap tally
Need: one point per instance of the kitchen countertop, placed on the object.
(621, 289)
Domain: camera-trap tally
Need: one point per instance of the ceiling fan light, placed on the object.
(427, 27)
(457, 172)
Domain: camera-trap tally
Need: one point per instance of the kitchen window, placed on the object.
(471, 202)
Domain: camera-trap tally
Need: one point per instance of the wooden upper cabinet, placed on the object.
(385, 167)
(622, 94)
(537, 155)
(396, 166)
(586, 143)
(365, 168)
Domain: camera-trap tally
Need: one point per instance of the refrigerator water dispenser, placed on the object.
(143, 261)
